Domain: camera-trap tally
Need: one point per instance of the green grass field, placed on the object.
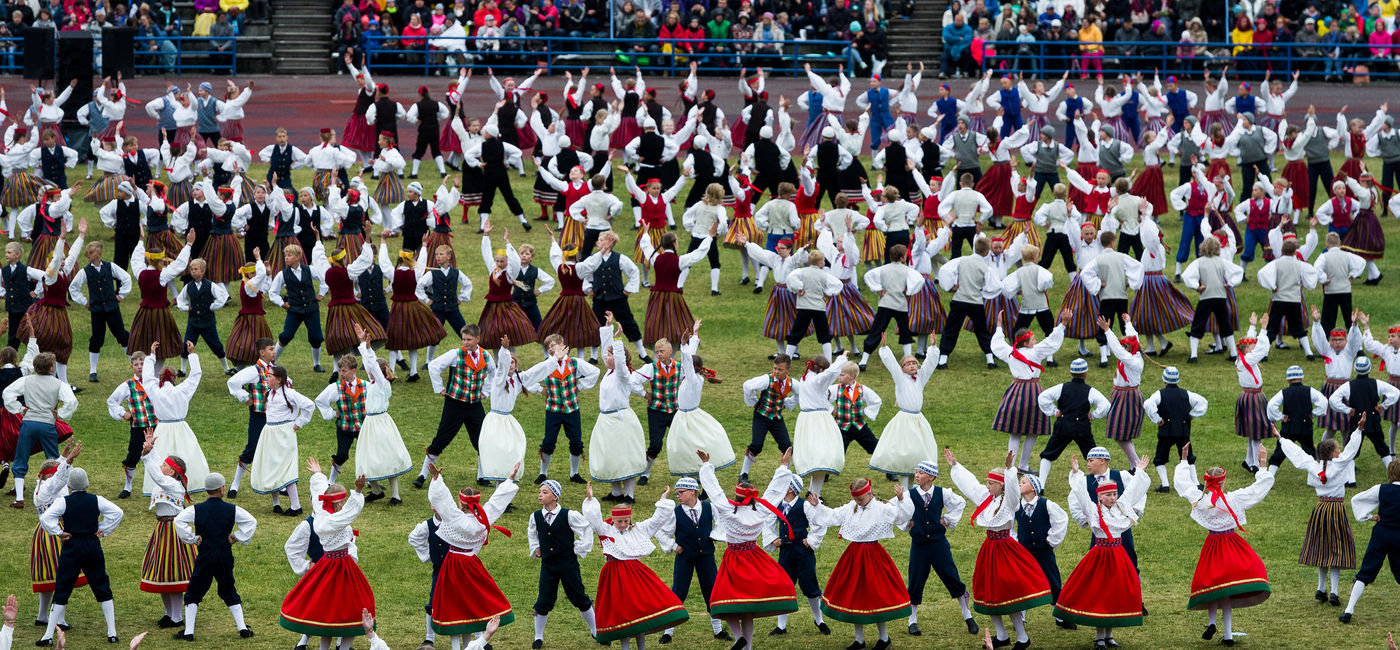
(960, 404)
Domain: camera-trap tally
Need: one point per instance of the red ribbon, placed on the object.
(980, 507)
(1217, 493)
(749, 496)
(1103, 525)
(329, 501)
(1253, 375)
(473, 503)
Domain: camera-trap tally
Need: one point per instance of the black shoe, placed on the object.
(418, 482)
(1001, 643)
(1334, 601)
(713, 292)
(454, 167)
(1165, 349)
(1052, 363)
(577, 479)
(413, 378)
(646, 359)
(276, 510)
(592, 361)
(1345, 617)
(181, 636)
(738, 645)
(861, 366)
(1193, 360)
(413, 176)
(539, 643)
(744, 478)
(318, 368)
(77, 389)
(665, 639)
(1163, 489)
(331, 379)
(233, 494)
(824, 628)
(403, 365)
(113, 639)
(856, 646)
(744, 282)
(292, 513)
(971, 625)
(374, 496)
(481, 482)
(179, 373)
(1099, 645)
(1245, 466)
(395, 501)
(777, 631)
(1320, 596)
(1209, 633)
(1103, 364)
(539, 480)
(914, 630)
(1144, 610)
(1312, 357)
(44, 643)
(1022, 645)
(1066, 625)
(526, 225)
(991, 365)
(773, 356)
(92, 377)
(1231, 358)
(480, 231)
(1351, 484)
(166, 622)
(124, 494)
(1211, 350)
(1177, 278)
(643, 480)
(883, 644)
(1110, 643)
(757, 289)
(942, 366)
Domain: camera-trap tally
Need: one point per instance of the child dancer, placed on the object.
(1019, 415)
(769, 395)
(1172, 409)
(170, 405)
(560, 538)
(89, 519)
(907, 437)
(45, 548)
(570, 316)
(848, 312)
(223, 524)
(1032, 282)
(1158, 307)
(924, 507)
(1251, 418)
(255, 376)
(47, 319)
(1328, 543)
(1229, 573)
(1339, 350)
(1365, 237)
(502, 317)
(1104, 590)
(200, 298)
(816, 438)
(168, 563)
(632, 602)
(617, 446)
(797, 542)
(1364, 395)
(465, 596)
(302, 302)
(667, 314)
(692, 428)
(250, 325)
(1075, 406)
(777, 323)
(153, 322)
(1125, 413)
(562, 377)
(274, 466)
(1213, 276)
(1369, 505)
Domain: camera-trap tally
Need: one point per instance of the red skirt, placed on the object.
(466, 596)
(632, 601)
(1104, 590)
(1230, 571)
(358, 135)
(1218, 166)
(1353, 167)
(1148, 185)
(505, 319)
(866, 587)
(413, 326)
(1006, 579)
(627, 129)
(327, 600)
(448, 142)
(231, 130)
(1076, 196)
(1296, 171)
(168, 563)
(577, 130)
(996, 186)
(750, 583)
(667, 317)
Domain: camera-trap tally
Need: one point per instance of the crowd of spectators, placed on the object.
(1321, 38)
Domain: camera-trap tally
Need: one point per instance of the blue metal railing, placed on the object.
(1310, 60)
(668, 57)
(11, 55)
(176, 54)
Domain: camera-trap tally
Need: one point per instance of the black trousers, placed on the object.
(1204, 310)
(1060, 441)
(862, 436)
(532, 312)
(1372, 432)
(294, 322)
(895, 238)
(1305, 443)
(134, 443)
(962, 234)
(102, 322)
(343, 440)
(380, 315)
(1290, 312)
(622, 314)
(975, 171)
(82, 554)
(1112, 310)
(800, 563)
(427, 140)
(1332, 305)
(1319, 172)
(937, 556)
(1384, 545)
(573, 430)
(552, 574)
(702, 567)
(1252, 170)
(210, 334)
(453, 319)
(1045, 181)
(1045, 557)
(455, 414)
(16, 317)
(830, 185)
(1041, 318)
(1390, 177)
(658, 424)
(1165, 445)
(256, 421)
(1132, 243)
(208, 570)
(958, 312)
(763, 427)
(1058, 242)
(123, 245)
(493, 181)
(260, 243)
(712, 255)
(883, 316)
(815, 318)
(590, 241)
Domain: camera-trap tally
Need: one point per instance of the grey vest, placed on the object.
(1115, 284)
(1188, 148)
(812, 282)
(1338, 279)
(964, 208)
(1390, 146)
(1212, 277)
(1032, 299)
(1056, 215)
(892, 280)
(1317, 149)
(965, 151)
(1251, 146)
(972, 274)
(1128, 211)
(1109, 160)
(41, 398)
(1288, 280)
(1047, 159)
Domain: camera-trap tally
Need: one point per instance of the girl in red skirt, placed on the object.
(631, 602)
(345, 310)
(570, 191)
(412, 325)
(502, 317)
(154, 271)
(465, 596)
(1125, 413)
(750, 583)
(571, 317)
(1295, 170)
(1354, 145)
(328, 599)
(865, 586)
(667, 316)
(1006, 578)
(1104, 590)
(251, 322)
(1149, 183)
(1019, 416)
(168, 562)
(1229, 573)
(1096, 196)
(47, 319)
(996, 183)
(1328, 543)
(1218, 152)
(357, 134)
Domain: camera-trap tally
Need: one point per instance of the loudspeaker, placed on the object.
(119, 52)
(38, 53)
(75, 63)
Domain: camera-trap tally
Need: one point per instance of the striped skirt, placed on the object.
(412, 326)
(242, 340)
(320, 181)
(352, 243)
(505, 319)
(1365, 238)
(472, 183)
(50, 326)
(1158, 308)
(435, 239)
(1233, 306)
(1328, 541)
(848, 312)
(872, 247)
(41, 251)
(1251, 420)
(178, 194)
(1217, 168)
(43, 562)
(782, 310)
(852, 186)
(274, 257)
(168, 563)
(653, 234)
(571, 318)
(1210, 118)
(390, 189)
(1018, 226)
(340, 328)
(667, 317)
(154, 324)
(741, 227)
(1019, 415)
(996, 308)
(1393, 413)
(1334, 420)
(1084, 310)
(224, 255)
(926, 313)
(23, 189)
(170, 241)
(571, 234)
(544, 193)
(806, 230)
(1125, 414)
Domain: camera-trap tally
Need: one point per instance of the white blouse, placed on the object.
(460, 529)
(1122, 515)
(1216, 518)
(908, 389)
(744, 523)
(1339, 471)
(170, 402)
(810, 388)
(333, 528)
(615, 388)
(635, 542)
(1000, 514)
(1037, 353)
(286, 405)
(168, 499)
(871, 523)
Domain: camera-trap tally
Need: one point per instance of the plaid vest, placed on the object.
(561, 389)
(665, 384)
(143, 414)
(850, 413)
(257, 396)
(770, 401)
(466, 378)
(350, 408)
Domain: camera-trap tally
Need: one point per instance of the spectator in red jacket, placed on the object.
(415, 34)
(488, 8)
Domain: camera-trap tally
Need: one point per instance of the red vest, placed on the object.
(668, 270)
(404, 286)
(342, 287)
(56, 294)
(809, 203)
(1341, 212)
(1358, 145)
(572, 194)
(1096, 202)
(1258, 214)
(498, 288)
(1022, 208)
(249, 304)
(1196, 203)
(654, 211)
(154, 295)
(569, 282)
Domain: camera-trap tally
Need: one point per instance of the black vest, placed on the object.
(158, 221)
(354, 221)
(655, 110)
(256, 230)
(52, 164)
(693, 537)
(444, 295)
(415, 224)
(767, 158)
(201, 301)
(80, 514)
(1389, 509)
(102, 291)
(828, 158)
(1034, 531)
(927, 524)
(650, 149)
(313, 541)
(1363, 399)
(221, 224)
(281, 163)
(305, 219)
(17, 288)
(201, 218)
(933, 156)
(525, 297)
(1074, 409)
(138, 169)
(556, 539)
(437, 548)
(214, 522)
(371, 285)
(1175, 411)
(608, 282)
(1297, 405)
(301, 296)
(128, 218)
(505, 121)
(427, 116)
(757, 117)
(386, 117)
(493, 153)
(565, 161)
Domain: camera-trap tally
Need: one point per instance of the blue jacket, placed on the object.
(957, 39)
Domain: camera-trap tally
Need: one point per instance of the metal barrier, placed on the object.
(660, 56)
(1310, 60)
(12, 55)
(157, 55)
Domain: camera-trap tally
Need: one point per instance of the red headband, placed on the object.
(330, 502)
(179, 473)
(48, 471)
(1131, 343)
(1107, 486)
(622, 510)
(747, 496)
(1337, 334)
(862, 490)
(997, 475)
(1393, 330)
(473, 503)
(1026, 336)
(1217, 493)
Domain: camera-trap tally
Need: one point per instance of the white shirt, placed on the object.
(908, 389)
(1247, 368)
(598, 208)
(870, 523)
(167, 492)
(753, 387)
(244, 525)
(811, 388)
(635, 542)
(297, 544)
(75, 288)
(1118, 518)
(52, 518)
(953, 506)
(1047, 401)
(1000, 514)
(631, 276)
(1339, 471)
(1038, 353)
(67, 402)
(425, 283)
(782, 266)
(1128, 373)
(1275, 406)
(815, 534)
(1337, 365)
(1362, 505)
(1153, 402)
(219, 290)
(1059, 519)
(171, 402)
(1217, 518)
(298, 412)
(740, 524)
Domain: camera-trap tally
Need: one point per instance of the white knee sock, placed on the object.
(1321, 578)
(540, 620)
(589, 618)
(962, 603)
(1018, 622)
(428, 459)
(860, 633)
(61, 371)
(109, 613)
(884, 631)
(191, 610)
(629, 487)
(544, 462)
(782, 621)
(1027, 451)
(999, 627)
(335, 472)
(45, 602)
(716, 625)
(56, 615)
(1162, 474)
(1356, 589)
(235, 610)
(714, 279)
(129, 478)
(1211, 620)
(238, 473)
(818, 478)
(815, 604)
(748, 463)
(1013, 445)
(1194, 344)
(442, 168)
(1335, 576)
(92, 362)
(293, 498)
(429, 635)
(1225, 613)
(1045, 466)
(574, 463)
(416, 163)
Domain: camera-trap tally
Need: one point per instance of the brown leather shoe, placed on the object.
(18, 504)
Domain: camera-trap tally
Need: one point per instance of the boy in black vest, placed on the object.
(1292, 410)
(1380, 504)
(53, 159)
(447, 288)
(280, 158)
(412, 216)
(1172, 409)
(430, 548)
(689, 537)
(107, 286)
(614, 277)
(201, 298)
(495, 156)
(1366, 395)
(1098, 460)
(1074, 405)
(529, 283)
(212, 526)
(797, 552)
(124, 217)
(82, 519)
(925, 505)
(370, 284)
(303, 302)
(559, 537)
(1040, 527)
(17, 283)
(427, 113)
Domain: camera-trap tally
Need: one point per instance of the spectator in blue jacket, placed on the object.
(957, 53)
(1049, 16)
(157, 47)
